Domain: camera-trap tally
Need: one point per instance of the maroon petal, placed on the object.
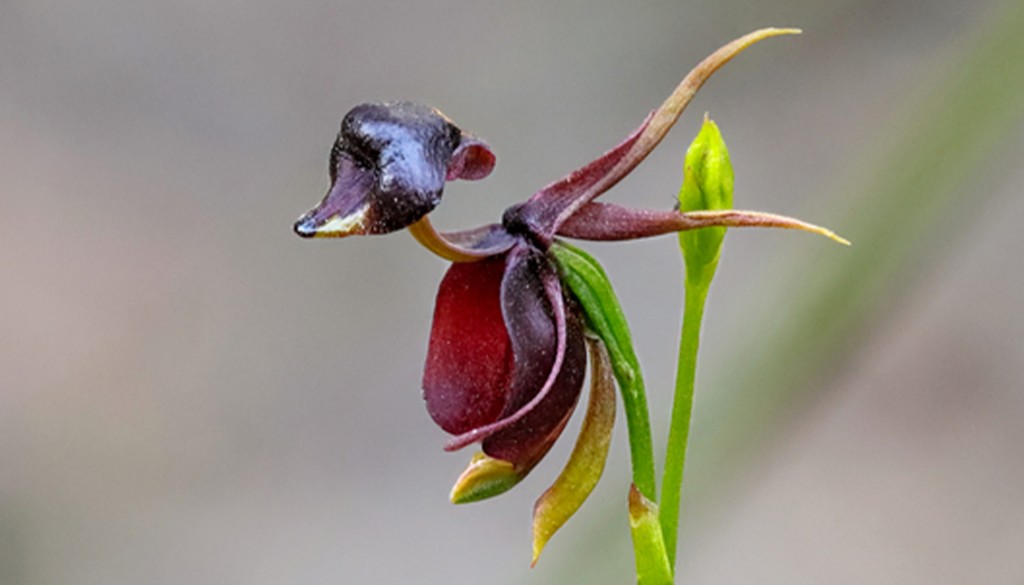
(543, 213)
(529, 439)
(534, 314)
(469, 362)
(472, 160)
(490, 239)
(608, 221)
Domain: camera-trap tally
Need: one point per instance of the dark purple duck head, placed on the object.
(388, 168)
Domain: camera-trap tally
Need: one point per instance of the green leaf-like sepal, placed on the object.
(587, 280)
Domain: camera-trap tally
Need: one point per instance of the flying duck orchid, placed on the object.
(508, 346)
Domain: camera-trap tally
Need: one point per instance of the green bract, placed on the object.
(652, 562)
(588, 281)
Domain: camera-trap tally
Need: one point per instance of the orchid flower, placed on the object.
(508, 345)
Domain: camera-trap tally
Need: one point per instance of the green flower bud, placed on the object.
(707, 185)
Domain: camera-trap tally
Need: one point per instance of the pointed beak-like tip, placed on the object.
(304, 227)
(314, 225)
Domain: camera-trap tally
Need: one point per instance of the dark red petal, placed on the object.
(532, 323)
(525, 442)
(534, 314)
(469, 362)
(552, 205)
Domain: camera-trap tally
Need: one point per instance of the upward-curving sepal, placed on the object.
(542, 214)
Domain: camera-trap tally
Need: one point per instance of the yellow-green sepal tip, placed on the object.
(586, 464)
(484, 477)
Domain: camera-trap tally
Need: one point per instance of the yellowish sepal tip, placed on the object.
(776, 32)
(837, 238)
(484, 477)
(586, 463)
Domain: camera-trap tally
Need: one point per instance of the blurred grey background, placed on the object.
(191, 394)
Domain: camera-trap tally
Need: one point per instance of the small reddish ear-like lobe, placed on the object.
(472, 160)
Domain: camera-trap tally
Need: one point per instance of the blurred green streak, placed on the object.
(927, 180)
(918, 198)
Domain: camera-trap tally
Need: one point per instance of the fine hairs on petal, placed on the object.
(463, 394)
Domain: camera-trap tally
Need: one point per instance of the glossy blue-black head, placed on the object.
(388, 168)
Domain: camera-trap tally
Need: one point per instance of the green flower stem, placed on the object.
(707, 185)
(588, 281)
(682, 408)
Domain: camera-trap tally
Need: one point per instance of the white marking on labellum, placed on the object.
(338, 226)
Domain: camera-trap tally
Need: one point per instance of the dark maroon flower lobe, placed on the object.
(528, 439)
(529, 315)
(507, 356)
(469, 361)
(388, 168)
